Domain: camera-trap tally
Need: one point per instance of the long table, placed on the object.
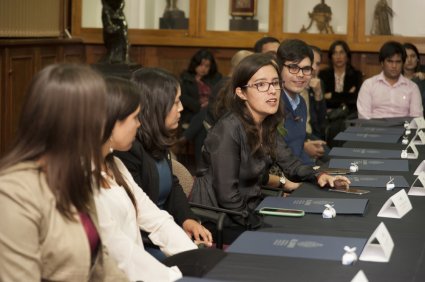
(407, 261)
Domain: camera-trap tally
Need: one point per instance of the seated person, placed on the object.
(216, 103)
(197, 83)
(341, 80)
(389, 94)
(123, 208)
(295, 59)
(49, 228)
(245, 142)
(341, 83)
(266, 44)
(412, 69)
(149, 159)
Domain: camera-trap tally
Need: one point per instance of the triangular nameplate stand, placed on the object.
(396, 206)
(419, 188)
(419, 138)
(418, 122)
(379, 246)
(360, 277)
(420, 168)
(411, 152)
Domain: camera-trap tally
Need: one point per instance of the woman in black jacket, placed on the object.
(197, 83)
(244, 143)
(149, 159)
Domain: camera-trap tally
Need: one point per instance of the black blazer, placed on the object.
(352, 78)
(231, 177)
(144, 171)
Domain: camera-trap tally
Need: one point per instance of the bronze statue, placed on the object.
(322, 15)
(381, 19)
(115, 32)
(171, 10)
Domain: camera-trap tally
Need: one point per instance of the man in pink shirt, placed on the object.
(389, 94)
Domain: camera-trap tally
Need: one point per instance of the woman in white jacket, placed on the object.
(123, 208)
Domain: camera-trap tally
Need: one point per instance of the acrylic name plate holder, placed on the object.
(417, 123)
(396, 206)
(379, 247)
(418, 186)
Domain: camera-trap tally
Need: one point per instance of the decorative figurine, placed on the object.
(171, 10)
(115, 31)
(173, 17)
(381, 18)
(322, 15)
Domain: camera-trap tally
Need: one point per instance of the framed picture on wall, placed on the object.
(243, 8)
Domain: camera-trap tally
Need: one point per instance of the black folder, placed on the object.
(295, 245)
(315, 205)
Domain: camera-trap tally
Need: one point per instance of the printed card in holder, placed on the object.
(418, 186)
(419, 138)
(396, 206)
(360, 277)
(379, 246)
(418, 122)
(420, 168)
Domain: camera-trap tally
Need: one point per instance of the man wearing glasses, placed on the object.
(295, 59)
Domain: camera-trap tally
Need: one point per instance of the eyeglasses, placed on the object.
(265, 86)
(294, 69)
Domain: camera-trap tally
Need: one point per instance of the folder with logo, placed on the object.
(379, 130)
(369, 153)
(295, 245)
(378, 181)
(371, 164)
(368, 137)
(315, 205)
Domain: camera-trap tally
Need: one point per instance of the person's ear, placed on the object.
(241, 94)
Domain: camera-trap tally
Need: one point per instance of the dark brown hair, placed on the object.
(242, 74)
(158, 89)
(123, 100)
(61, 125)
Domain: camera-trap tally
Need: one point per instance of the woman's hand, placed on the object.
(197, 232)
(333, 181)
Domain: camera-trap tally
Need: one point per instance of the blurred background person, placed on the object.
(412, 68)
(196, 87)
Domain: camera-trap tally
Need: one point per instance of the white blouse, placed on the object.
(120, 231)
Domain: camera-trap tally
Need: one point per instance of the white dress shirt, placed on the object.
(120, 231)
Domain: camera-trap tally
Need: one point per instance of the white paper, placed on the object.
(418, 122)
(420, 168)
(379, 246)
(396, 206)
(418, 186)
(419, 138)
(360, 277)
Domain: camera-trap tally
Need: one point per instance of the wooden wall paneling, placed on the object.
(46, 55)
(21, 66)
(3, 77)
(73, 54)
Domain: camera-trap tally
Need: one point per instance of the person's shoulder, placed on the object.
(22, 180)
(187, 76)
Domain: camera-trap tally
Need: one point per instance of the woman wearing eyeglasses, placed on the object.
(243, 144)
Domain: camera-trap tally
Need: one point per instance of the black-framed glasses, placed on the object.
(294, 69)
(264, 86)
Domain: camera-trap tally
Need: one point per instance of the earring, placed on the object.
(111, 150)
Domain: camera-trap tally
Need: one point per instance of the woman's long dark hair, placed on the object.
(60, 126)
(123, 100)
(265, 144)
(158, 89)
(197, 58)
(410, 46)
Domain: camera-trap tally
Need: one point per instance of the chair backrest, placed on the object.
(185, 178)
